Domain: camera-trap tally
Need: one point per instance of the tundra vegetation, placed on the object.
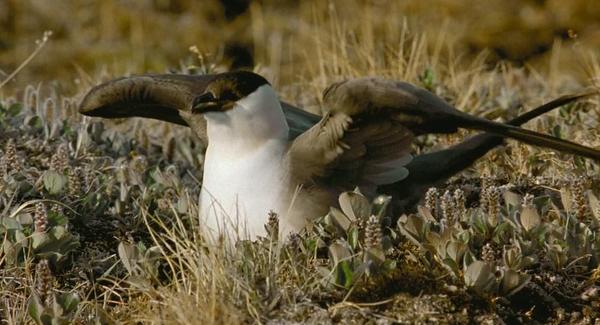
(99, 218)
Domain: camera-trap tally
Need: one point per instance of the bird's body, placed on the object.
(249, 173)
(257, 162)
(230, 199)
(245, 173)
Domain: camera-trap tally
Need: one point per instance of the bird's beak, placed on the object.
(206, 103)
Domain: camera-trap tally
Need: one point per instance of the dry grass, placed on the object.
(179, 278)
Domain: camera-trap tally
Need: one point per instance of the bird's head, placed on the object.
(244, 101)
(226, 89)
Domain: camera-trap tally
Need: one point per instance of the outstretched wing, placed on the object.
(168, 97)
(423, 112)
(160, 97)
(362, 140)
(342, 151)
(366, 136)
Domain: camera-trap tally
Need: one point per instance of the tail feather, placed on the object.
(560, 101)
(534, 138)
(433, 168)
(511, 130)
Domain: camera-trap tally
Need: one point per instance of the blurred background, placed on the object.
(290, 41)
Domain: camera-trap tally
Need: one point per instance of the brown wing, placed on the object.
(168, 97)
(372, 148)
(423, 112)
(361, 141)
(345, 152)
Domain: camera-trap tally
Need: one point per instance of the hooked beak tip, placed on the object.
(205, 103)
(206, 107)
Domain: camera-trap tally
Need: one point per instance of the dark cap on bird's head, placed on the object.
(225, 89)
(164, 97)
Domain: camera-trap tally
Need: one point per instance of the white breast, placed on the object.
(244, 172)
(238, 193)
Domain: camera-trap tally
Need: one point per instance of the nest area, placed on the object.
(98, 218)
(110, 208)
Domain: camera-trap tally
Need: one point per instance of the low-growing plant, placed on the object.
(499, 254)
(358, 238)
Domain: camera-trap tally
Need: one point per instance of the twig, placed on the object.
(40, 45)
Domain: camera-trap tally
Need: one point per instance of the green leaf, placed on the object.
(374, 255)
(354, 205)
(35, 308)
(55, 244)
(339, 220)
(512, 257)
(556, 131)
(348, 275)
(542, 203)
(129, 255)
(68, 301)
(413, 228)
(14, 109)
(39, 239)
(479, 276)
(451, 265)
(34, 122)
(339, 251)
(54, 182)
(557, 255)
(57, 219)
(20, 238)
(141, 246)
(59, 232)
(425, 213)
(25, 218)
(390, 265)
(512, 198)
(11, 223)
(10, 251)
(455, 250)
(468, 259)
(502, 232)
(529, 218)
(512, 282)
(427, 78)
(566, 198)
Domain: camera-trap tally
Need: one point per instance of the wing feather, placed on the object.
(374, 151)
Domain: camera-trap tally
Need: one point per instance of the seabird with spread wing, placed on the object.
(266, 155)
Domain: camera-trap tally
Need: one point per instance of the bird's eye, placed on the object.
(207, 97)
(228, 95)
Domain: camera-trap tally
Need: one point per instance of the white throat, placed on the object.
(244, 172)
(255, 118)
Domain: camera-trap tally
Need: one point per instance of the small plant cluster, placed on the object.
(358, 238)
(512, 245)
(31, 233)
(102, 220)
(68, 188)
(510, 250)
(520, 253)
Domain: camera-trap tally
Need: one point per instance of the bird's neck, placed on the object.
(255, 120)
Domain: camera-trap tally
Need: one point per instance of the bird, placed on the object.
(264, 155)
